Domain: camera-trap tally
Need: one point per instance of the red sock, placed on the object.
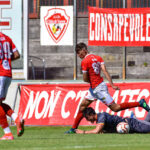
(129, 105)
(7, 109)
(77, 120)
(3, 119)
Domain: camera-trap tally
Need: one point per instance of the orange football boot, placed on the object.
(7, 136)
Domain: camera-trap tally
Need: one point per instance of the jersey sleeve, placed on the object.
(101, 60)
(101, 118)
(13, 46)
(84, 66)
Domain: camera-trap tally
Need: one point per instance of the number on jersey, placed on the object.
(96, 67)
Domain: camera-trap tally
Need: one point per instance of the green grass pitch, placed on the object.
(53, 138)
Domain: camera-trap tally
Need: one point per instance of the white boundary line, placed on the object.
(98, 146)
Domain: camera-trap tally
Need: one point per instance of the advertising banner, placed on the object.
(119, 27)
(56, 25)
(58, 104)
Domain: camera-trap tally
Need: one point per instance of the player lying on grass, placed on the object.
(92, 65)
(107, 123)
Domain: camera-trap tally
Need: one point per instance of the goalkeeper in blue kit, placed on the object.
(107, 123)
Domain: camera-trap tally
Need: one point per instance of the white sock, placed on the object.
(7, 130)
(14, 116)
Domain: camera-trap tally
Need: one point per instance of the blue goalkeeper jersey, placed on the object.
(111, 121)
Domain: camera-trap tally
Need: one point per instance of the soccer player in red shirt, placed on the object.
(8, 52)
(92, 65)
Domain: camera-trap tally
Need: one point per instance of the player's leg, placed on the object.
(84, 104)
(101, 93)
(117, 107)
(18, 121)
(148, 117)
(140, 126)
(3, 120)
(4, 124)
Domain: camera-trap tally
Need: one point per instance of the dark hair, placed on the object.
(80, 46)
(88, 112)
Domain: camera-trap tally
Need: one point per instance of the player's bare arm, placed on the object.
(103, 67)
(86, 77)
(15, 55)
(98, 129)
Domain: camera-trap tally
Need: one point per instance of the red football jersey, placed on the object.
(92, 64)
(7, 48)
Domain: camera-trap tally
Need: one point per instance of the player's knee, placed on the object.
(115, 107)
(85, 103)
(82, 107)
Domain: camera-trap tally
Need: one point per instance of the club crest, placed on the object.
(56, 22)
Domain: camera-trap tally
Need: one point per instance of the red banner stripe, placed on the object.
(4, 2)
(6, 23)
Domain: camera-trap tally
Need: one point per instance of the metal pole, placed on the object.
(25, 37)
(44, 69)
(15, 99)
(75, 38)
(101, 3)
(124, 53)
(14, 104)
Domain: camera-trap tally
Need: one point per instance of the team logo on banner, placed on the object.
(56, 22)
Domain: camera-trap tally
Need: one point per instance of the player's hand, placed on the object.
(115, 87)
(78, 131)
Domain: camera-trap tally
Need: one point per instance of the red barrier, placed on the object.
(57, 104)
